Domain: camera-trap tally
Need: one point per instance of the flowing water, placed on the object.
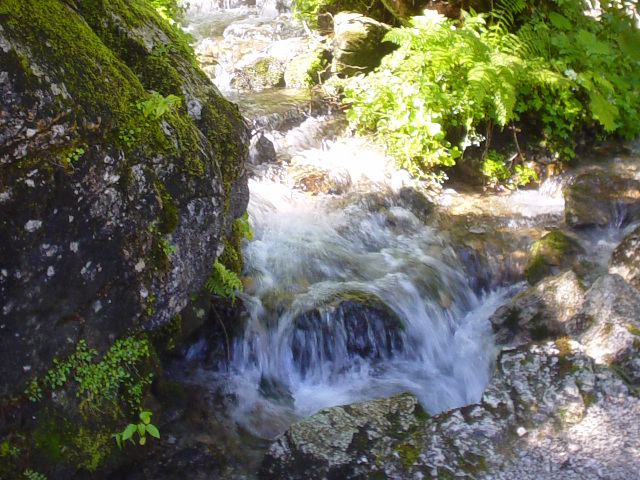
(354, 290)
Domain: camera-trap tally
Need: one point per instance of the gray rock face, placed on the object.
(357, 43)
(535, 390)
(539, 312)
(608, 325)
(600, 199)
(625, 260)
(109, 218)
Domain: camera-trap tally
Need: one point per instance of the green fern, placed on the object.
(223, 282)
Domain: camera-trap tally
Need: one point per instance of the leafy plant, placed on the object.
(99, 382)
(31, 475)
(6, 449)
(129, 137)
(442, 77)
(142, 428)
(242, 224)
(157, 105)
(73, 156)
(495, 168)
(449, 85)
(223, 282)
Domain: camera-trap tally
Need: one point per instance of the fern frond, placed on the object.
(504, 12)
(223, 282)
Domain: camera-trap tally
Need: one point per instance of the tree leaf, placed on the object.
(145, 417)
(153, 431)
(143, 440)
(128, 432)
(603, 111)
(142, 429)
(559, 21)
(591, 44)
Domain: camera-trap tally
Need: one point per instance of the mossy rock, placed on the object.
(265, 72)
(305, 71)
(550, 255)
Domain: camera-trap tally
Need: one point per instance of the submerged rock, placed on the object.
(598, 199)
(625, 260)
(539, 312)
(553, 253)
(352, 325)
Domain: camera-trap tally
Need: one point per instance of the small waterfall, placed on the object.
(353, 291)
(348, 301)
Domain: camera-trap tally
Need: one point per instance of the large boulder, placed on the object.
(539, 312)
(625, 260)
(357, 43)
(598, 199)
(121, 168)
(608, 325)
(533, 422)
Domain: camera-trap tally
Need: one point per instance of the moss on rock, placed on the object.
(553, 253)
(305, 71)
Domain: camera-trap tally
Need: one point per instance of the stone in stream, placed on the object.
(357, 43)
(539, 312)
(548, 392)
(554, 252)
(599, 199)
(608, 325)
(109, 219)
(350, 325)
(625, 260)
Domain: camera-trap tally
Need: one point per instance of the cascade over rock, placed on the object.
(110, 216)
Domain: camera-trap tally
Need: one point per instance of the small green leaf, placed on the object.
(129, 431)
(143, 440)
(153, 431)
(142, 429)
(145, 417)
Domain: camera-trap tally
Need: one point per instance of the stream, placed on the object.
(358, 284)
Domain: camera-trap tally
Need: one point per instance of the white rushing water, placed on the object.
(330, 285)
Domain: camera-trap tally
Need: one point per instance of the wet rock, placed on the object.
(109, 221)
(261, 150)
(553, 253)
(539, 312)
(625, 260)
(352, 325)
(537, 391)
(416, 202)
(357, 44)
(316, 180)
(608, 325)
(598, 199)
(264, 72)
